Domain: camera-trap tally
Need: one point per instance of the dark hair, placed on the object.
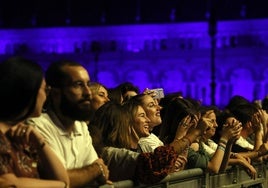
(115, 95)
(235, 101)
(176, 110)
(20, 81)
(204, 109)
(244, 112)
(128, 86)
(55, 76)
(139, 98)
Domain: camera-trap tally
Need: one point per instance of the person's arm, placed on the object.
(262, 151)
(258, 141)
(257, 155)
(216, 161)
(250, 154)
(226, 157)
(236, 128)
(79, 177)
(51, 167)
(180, 145)
(237, 159)
(219, 161)
(193, 133)
(10, 180)
(88, 174)
(258, 127)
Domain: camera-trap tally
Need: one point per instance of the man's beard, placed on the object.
(74, 111)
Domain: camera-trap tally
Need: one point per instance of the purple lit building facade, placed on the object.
(174, 56)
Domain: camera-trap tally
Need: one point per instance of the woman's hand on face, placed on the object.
(194, 120)
(203, 124)
(187, 123)
(183, 127)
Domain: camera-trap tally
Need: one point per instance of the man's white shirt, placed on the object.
(74, 149)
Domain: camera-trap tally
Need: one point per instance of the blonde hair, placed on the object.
(95, 86)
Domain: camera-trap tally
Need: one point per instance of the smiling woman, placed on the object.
(120, 128)
(152, 110)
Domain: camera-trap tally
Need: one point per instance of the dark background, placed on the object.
(50, 13)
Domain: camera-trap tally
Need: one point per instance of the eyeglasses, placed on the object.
(80, 85)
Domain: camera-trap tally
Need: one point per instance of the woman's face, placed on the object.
(99, 98)
(141, 123)
(40, 99)
(152, 109)
(212, 129)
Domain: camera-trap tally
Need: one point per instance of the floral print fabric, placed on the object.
(15, 159)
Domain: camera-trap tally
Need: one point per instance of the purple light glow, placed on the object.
(173, 56)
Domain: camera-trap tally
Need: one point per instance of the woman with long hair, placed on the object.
(25, 158)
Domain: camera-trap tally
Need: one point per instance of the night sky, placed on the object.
(49, 13)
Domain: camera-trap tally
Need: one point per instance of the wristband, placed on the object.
(223, 141)
(222, 144)
(221, 148)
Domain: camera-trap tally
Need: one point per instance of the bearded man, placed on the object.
(64, 126)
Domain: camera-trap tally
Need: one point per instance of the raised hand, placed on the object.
(203, 124)
(232, 130)
(183, 127)
(256, 122)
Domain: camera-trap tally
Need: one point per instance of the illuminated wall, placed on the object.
(173, 56)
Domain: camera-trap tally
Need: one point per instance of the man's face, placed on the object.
(76, 95)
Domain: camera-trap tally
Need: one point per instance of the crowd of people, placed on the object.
(58, 128)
